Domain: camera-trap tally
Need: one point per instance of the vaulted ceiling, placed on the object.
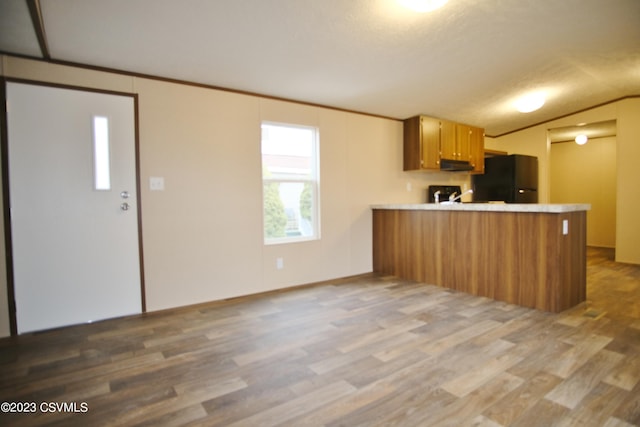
(467, 61)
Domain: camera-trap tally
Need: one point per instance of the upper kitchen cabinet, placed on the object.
(435, 144)
(421, 143)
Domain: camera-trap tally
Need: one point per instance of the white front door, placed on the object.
(73, 204)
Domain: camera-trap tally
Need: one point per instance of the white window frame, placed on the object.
(313, 179)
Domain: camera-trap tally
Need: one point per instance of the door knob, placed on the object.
(124, 206)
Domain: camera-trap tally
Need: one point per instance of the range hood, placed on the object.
(454, 165)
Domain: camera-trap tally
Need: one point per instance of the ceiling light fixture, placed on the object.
(422, 5)
(581, 139)
(529, 103)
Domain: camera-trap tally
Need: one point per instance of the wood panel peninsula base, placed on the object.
(532, 255)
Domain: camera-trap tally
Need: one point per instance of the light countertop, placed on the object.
(489, 207)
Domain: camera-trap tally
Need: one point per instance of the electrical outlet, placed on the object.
(156, 183)
(279, 263)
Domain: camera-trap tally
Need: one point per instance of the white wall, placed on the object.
(202, 236)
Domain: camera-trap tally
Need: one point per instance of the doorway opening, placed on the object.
(587, 173)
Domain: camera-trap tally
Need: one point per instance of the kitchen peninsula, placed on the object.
(533, 255)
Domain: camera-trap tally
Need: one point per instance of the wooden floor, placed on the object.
(363, 352)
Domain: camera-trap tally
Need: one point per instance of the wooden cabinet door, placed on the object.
(421, 143)
(430, 133)
(476, 143)
(448, 143)
(463, 139)
(411, 144)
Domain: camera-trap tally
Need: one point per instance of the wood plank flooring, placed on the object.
(367, 351)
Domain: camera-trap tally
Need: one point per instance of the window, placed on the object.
(290, 183)
(101, 164)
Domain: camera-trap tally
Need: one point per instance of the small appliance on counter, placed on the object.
(443, 193)
(510, 179)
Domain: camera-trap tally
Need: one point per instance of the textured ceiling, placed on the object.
(465, 62)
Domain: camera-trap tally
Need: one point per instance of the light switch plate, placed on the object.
(156, 183)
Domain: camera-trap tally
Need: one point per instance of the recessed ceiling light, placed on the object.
(422, 5)
(581, 139)
(529, 103)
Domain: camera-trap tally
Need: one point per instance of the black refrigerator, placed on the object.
(510, 179)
